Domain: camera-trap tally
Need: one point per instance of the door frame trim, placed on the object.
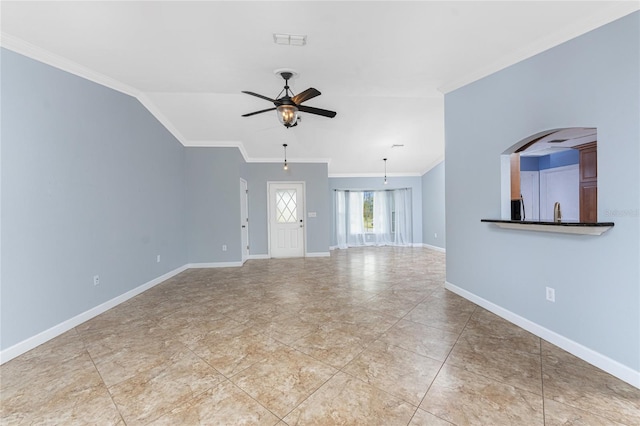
(304, 213)
(244, 220)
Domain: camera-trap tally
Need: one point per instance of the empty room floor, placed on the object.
(366, 336)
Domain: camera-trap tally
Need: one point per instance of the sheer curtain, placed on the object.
(392, 218)
(355, 230)
(382, 217)
(403, 235)
(340, 219)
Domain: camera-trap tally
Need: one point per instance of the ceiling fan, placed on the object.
(289, 104)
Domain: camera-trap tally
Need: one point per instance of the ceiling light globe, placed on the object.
(287, 115)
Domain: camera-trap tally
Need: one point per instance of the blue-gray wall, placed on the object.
(213, 204)
(92, 184)
(373, 183)
(315, 176)
(590, 81)
(433, 207)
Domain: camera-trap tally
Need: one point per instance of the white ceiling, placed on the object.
(560, 140)
(382, 65)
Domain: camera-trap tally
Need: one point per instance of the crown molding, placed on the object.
(433, 164)
(41, 55)
(571, 31)
(155, 111)
(290, 160)
(245, 156)
(219, 144)
(372, 175)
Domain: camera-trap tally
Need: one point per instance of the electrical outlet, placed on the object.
(96, 279)
(435, 235)
(551, 294)
(158, 259)
(224, 247)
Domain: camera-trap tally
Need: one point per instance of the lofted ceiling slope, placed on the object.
(382, 65)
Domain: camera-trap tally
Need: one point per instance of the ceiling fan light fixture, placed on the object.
(287, 104)
(287, 115)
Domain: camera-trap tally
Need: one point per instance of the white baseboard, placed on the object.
(386, 245)
(603, 362)
(214, 265)
(314, 254)
(258, 256)
(319, 254)
(436, 248)
(56, 330)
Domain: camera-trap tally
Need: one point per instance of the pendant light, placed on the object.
(286, 166)
(385, 171)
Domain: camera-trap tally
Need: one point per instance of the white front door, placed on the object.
(286, 215)
(244, 219)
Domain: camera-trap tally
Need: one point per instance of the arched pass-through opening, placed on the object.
(551, 176)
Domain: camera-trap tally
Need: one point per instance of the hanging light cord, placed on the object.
(385, 171)
(286, 166)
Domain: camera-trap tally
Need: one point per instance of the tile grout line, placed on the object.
(378, 339)
(445, 360)
(341, 369)
(228, 379)
(544, 414)
(86, 349)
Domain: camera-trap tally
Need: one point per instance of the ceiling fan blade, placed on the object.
(317, 111)
(258, 112)
(258, 95)
(305, 96)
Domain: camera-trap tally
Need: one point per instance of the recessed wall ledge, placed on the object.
(581, 228)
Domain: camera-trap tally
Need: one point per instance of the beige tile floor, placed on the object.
(368, 336)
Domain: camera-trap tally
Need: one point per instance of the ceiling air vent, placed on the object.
(290, 39)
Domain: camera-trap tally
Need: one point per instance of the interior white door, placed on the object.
(244, 219)
(530, 191)
(286, 219)
(562, 185)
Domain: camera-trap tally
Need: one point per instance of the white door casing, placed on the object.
(244, 219)
(286, 219)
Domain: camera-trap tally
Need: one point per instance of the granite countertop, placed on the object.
(542, 222)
